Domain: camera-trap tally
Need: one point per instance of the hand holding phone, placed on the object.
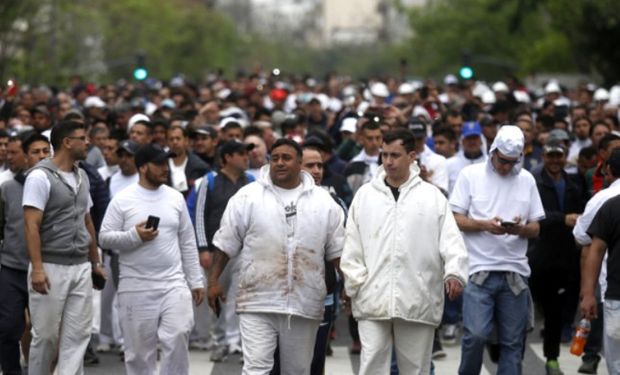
(152, 222)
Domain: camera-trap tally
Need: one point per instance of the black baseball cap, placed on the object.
(554, 146)
(205, 130)
(232, 146)
(417, 127)
(152, 153)
(127, 146)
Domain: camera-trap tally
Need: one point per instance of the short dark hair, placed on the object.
(3, 133)
(445, 131)
(63, 130)
(183, 130)
(160, 121)
(371, 125)
(231, 125)
(403, 135)
(597, 123)
(587, 152)
(290, 143)
(606, 140)
(30, 138)
(147, 124)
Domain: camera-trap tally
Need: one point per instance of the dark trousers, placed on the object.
(320, 346)
(558, 295)
(13, 303)
(594, 345)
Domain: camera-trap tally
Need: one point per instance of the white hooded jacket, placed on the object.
(397, 254)
(277, 273)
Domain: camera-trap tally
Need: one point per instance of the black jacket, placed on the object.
(555, 247)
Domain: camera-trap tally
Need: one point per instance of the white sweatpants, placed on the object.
(225, 329)
(110, 332)
(160, 314)
(261, 332)
(61, 319)
(413, 343)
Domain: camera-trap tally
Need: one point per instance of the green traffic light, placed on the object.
(140, 74)
(466, 72)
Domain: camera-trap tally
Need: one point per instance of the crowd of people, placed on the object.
(425, 211)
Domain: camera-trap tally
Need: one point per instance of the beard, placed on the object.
(154, 179)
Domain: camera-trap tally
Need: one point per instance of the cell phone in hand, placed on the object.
(508, 224)
(98, 281)
(152, 222)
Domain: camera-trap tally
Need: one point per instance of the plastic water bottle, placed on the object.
(580, 338)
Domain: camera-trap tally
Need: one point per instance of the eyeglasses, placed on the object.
(505, 161)
(82, 138)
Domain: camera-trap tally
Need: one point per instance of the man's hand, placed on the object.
(215, 292)
(206, 260)
(146, 234)
(40, 282)
(588, 307)
(425, 174)
(98, 270)
(571, 219)
(346, 303)
(454, 288)
(493, 226)
(198, 295)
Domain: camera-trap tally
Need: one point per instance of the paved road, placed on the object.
(341, 363)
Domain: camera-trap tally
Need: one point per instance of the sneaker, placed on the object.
(90, 358)
(103, 348)
(437, 349)
(356, 348)
(200, 345)
(329, 351)
(449, 334)
(589, 364)
(235, 349)
(552, 367)
(219, 354)
(438, 353)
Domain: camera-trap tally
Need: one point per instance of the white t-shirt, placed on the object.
(37, 189)
(371, 161)
(289, 199)
(6, 175)
(482, 194)
(107, 171)
(169, 260)
(435, 164)
(118, 182)
(177, 175)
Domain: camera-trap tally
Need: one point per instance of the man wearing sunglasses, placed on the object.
(497, 207)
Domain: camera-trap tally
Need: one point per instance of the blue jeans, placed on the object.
(493, 304)
(452, 310)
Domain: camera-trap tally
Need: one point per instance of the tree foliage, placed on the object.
(518, 36)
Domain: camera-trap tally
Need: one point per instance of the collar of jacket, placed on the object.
(378, 182)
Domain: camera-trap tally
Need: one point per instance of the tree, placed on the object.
(486, 29)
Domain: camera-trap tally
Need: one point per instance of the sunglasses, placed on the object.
(505, 161)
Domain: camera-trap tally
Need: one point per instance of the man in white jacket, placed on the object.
(402, 249)
(159, 268)
(282, 227)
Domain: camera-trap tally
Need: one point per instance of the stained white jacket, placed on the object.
(397, 254)
(277, 273)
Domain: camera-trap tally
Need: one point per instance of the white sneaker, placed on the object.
(103, 348)
(219, 354)
(449, 334)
